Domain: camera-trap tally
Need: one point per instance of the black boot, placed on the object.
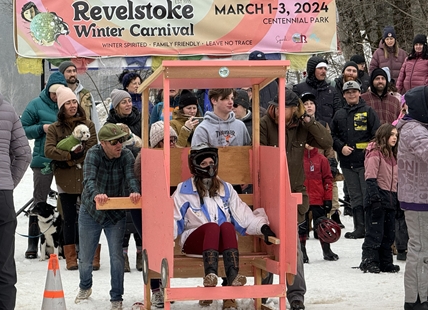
(327, 252)
(335, 217)
(368, 265)
(33, 242)
(305, 255)
(231, 267)
(359, 226)
(210, 267)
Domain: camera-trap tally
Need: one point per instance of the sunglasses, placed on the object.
(116, 141)
(235, 105)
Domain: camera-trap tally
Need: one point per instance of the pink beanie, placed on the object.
(64, 94)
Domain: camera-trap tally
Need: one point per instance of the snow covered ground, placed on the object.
(330, 285)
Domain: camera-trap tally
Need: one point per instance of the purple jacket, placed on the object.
(392, 62)
(412, 160)
(414, 72)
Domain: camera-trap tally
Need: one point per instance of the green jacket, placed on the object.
(40, 111)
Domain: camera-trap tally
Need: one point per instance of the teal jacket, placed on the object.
(40, 111)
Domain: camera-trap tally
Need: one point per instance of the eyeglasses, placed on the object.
(235, 105)
(248, 90)
(116, 141)
(172, 141)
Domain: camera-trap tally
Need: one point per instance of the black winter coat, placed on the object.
(354, 126)
(133, 120)
(326, 98)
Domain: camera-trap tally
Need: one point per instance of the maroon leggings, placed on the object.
(211, 236)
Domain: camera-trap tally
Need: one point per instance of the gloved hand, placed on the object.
(59, 164)
(75, 155)
(376, 211)
(327, 205)
(267, 232)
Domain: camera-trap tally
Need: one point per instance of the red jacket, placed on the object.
(319, 180)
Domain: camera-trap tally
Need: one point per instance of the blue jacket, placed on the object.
(40, 111)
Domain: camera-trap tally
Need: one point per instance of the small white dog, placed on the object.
(74, 141)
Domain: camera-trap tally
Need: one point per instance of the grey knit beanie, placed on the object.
(64, 65)
(117, 96)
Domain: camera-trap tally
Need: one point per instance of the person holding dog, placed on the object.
(15, 158)
(68, 175)
(108, 171)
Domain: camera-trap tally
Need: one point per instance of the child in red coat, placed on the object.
(319, 184)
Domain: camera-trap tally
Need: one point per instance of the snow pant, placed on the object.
(415, 275)
(42, 185)
(8, 276)
(379, 237)
(335, 201)
(356, 184)
(130, 229)
(401, 234)
(297, 290)
(69, 209)
(138, 224)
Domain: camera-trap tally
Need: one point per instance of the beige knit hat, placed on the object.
(63, 95)
(117, 96)
(156, 133)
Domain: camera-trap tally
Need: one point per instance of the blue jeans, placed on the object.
(89, 236)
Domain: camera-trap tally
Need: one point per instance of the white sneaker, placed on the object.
(157, 299)
(82, 295)
(116, 305)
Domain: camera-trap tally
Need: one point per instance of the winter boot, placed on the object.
(231, 267)
(139, 263)
(401, 255)
(347, 210)
(416, 305)
(297, 305)
(359, 226)
(368, 265)
(335, 217)
(70, 256)
(96, 261)
(126, 267)
(327, 252)
(33, 241)
(305, 255)
(229, 304)
(211, 270)
(389, 268)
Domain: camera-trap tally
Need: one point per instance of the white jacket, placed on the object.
(225, 207)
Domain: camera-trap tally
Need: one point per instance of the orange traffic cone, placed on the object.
(53, 297)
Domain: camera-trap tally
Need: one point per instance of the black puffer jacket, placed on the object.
(133, 120)
(354, 126)
(326, 98)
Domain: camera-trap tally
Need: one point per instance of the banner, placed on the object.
(92, 28)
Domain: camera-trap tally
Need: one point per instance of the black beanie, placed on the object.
(378, 71)
(349, 64)
(388, 31)
(187, 97)
(358, 59)
(420, 38)
(242, 98)
(312, 63)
